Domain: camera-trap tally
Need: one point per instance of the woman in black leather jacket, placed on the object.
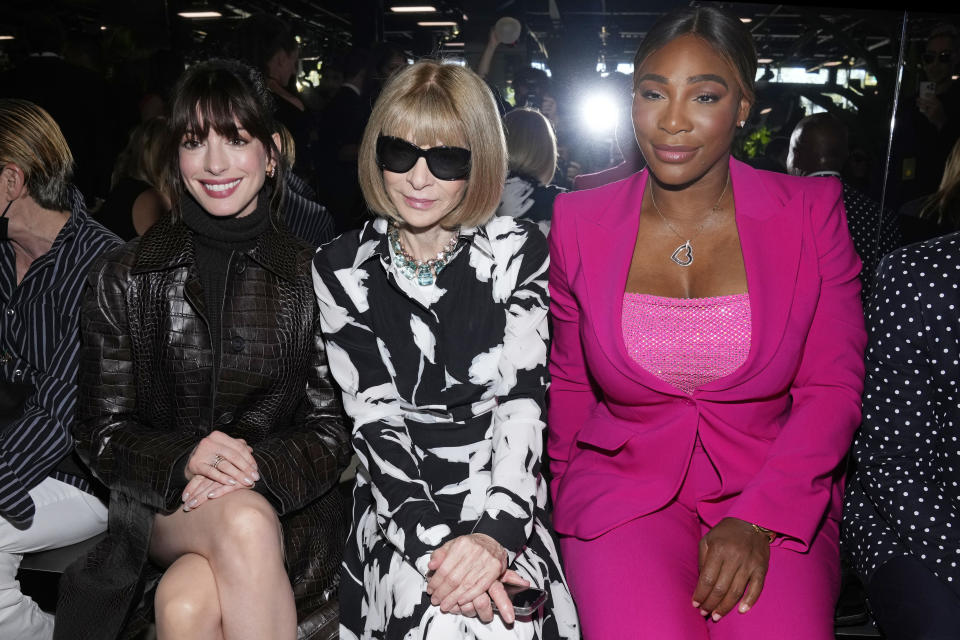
(206, 403)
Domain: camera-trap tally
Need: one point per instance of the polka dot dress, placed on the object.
(904, 497)
(864, 218)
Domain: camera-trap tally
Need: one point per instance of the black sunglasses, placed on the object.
(930, 56)
(445, 163)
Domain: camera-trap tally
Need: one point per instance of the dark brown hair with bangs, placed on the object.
(430, 103)
(218, 94)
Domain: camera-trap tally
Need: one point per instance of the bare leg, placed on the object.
(187, 603)
(240, 538)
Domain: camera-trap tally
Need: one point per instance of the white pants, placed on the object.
(64, 515)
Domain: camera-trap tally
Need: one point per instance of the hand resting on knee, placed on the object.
(218, 465)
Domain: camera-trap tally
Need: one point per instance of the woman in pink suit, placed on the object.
(707, 367)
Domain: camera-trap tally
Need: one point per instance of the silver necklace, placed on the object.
(683, 255)
(424, 271)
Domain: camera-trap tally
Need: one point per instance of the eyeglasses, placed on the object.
(930, 56)
(445, 163)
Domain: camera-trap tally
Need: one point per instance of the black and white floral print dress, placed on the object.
(445, 385)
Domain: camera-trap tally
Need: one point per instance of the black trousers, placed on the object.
(910, 603)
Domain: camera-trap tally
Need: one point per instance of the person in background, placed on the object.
(631, 159)
(303, 216)
(707, 366)
(136, 199)
(269, 45)
(818, 148)
(532, 160)
(938, 213)
(47, 244)
(929, 125)
(343, 121)
(386, 59)
(206, 404)
(901, 523)
(435, 318)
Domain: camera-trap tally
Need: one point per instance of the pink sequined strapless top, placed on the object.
(687, 342)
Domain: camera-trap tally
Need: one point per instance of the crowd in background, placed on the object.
(118, 131)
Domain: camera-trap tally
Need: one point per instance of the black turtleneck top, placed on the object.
(216, 241)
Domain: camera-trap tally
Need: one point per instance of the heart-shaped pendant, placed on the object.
(683, 255)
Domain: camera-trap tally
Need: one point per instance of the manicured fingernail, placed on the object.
(186, 508)
(232, 481)
(704, 612)
(744, 608)
(186, 496)
(716, 617)
(696, 604)
(211, 495)
(256, 476)
(193, 503)
(247, 481)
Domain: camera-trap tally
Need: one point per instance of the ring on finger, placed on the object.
(216, 461)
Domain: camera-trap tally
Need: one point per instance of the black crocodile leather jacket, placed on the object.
(147, 397)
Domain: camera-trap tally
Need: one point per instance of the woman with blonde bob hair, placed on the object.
(435, 319)
(532, 149)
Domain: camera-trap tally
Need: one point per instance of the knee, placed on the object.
(250, 525)
(185, 612)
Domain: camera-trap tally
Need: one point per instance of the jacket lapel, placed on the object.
(770, 231)
(169, 249)
(606, 251)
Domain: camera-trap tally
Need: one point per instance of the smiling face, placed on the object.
(687, 103)
(224, 174)
(421, 199)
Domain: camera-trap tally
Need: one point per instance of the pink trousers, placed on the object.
(637, 581)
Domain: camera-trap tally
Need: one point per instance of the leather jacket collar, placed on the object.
(168, 245)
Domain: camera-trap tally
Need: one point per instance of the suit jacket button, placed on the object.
(241, 266)
(237, 343)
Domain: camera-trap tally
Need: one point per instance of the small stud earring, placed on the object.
(742, 122)
(271, 171)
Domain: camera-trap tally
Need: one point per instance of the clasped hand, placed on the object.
(469, 572)
(734, 559)
(218, 465)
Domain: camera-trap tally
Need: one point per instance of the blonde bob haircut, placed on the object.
(30, 139)
(429, 104)
(531, 144)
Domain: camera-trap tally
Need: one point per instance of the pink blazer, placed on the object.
(777, 428)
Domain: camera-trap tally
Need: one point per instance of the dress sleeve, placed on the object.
(898, 465)
(517, 422)
(804, 462)
(126, 454)
(299, 464)
(407, 515)
(572, 397)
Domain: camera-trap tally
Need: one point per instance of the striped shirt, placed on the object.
(39, 345)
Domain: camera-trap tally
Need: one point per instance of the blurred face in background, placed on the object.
(939, 58)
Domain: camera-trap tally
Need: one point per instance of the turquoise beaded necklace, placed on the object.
(425, 271)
